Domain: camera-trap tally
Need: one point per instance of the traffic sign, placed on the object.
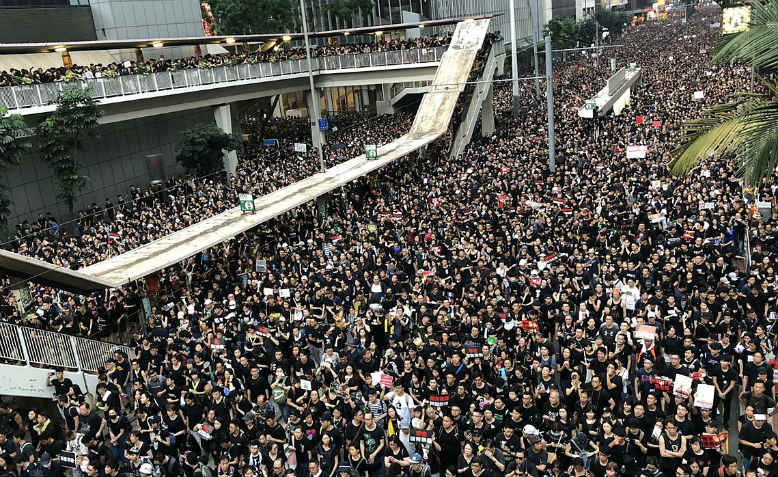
(323, 124)
(371, 151)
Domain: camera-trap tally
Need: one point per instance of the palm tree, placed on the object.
(747, 127)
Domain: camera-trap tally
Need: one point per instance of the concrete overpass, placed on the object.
(137, 96)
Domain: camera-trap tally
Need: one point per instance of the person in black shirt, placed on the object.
(62, 385)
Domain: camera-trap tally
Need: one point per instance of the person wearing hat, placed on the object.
(537, 457)
(146, 469)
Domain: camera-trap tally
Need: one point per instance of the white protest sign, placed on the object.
(645, 332)
(699, 94)
(636, 152)
(284, 293)
(300, 147)
(268, 291)
(305, 385)
(703, 398)
(656, 218)
(682, 385)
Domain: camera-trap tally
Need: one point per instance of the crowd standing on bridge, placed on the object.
(272, 54)
(473, 317)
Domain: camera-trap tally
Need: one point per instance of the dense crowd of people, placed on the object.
(15, 77)
(475, 317)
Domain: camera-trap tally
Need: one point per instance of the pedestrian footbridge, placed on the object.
(432, 121)
(28, 355)
(134, 96)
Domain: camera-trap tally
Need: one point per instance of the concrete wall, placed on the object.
(113, 161)
(31, 25)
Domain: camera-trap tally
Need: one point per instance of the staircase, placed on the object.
(28, 355)
(405, 93)
(465, 132)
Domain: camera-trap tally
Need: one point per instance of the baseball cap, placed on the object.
(416, 458)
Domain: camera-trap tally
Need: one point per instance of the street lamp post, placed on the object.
(316, 134)
(550, 106)
(514, 59)
(535, 35)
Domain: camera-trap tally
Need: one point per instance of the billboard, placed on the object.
(735, 20)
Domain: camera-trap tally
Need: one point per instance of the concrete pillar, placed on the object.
(278, 111)
(139, 56)
(198, 51)
(365, 98)
(328, 98)
(487, 114)
(314, 114)
(223, 116)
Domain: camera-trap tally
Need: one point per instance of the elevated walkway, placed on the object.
(28, 355)
(482, 98)
(617, 90)
(432, 120)
(170, 91)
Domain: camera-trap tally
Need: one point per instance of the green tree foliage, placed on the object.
(563, 31)
(63, 134)
(13, 144)
(201, 148)
(748, 126)
(246, 17)
(614, 21)
(586, 31)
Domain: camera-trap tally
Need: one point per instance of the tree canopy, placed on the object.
(63, 134)
(13, 144)
(201, 149)
(563, 31)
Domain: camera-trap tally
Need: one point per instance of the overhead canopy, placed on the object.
(19, 48)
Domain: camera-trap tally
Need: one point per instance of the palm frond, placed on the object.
(759, 159)
(741, 127)
(759, 44)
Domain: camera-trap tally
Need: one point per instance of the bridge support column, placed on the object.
(223, 116)
(385, 106)
(314, 113)
(487, 114)
(328, 98)
(365, 98)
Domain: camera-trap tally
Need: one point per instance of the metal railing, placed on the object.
(21, 345)
(398, 88)
(27, 96)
